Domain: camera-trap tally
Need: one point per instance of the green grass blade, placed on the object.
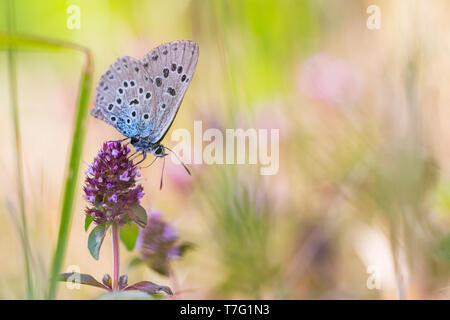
(84, 92)
(12, 79)
(71, 178)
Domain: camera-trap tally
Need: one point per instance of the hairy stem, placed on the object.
(116, 254)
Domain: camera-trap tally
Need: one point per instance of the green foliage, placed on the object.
(81, 278)
(126, 295)
(128, 235)
(240, 219)
(442, 197)
(444, 248)
(138, 215)
(87, 222)
(95, 239)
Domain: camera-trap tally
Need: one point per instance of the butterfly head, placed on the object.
(159, 151)
(144, 145)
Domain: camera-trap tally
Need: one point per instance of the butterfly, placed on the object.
(140, 98)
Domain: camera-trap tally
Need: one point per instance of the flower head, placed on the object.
(158, 244)
(111, 185)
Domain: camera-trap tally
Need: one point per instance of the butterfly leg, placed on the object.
(121, 140)
(150, 163)
(143, 158)
(129, 158)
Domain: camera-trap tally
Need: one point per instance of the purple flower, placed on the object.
(124, 176)
(158, 244)
(111, 185)
(330, 80)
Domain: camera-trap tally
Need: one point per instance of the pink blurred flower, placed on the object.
(178, 175)
(330, 80)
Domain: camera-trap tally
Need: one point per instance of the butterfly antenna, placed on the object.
(162, 173)
(184, 166)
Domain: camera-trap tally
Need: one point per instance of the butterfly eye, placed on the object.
(134, 140)
(159, 150)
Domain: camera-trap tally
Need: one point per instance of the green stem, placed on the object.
(12, 78)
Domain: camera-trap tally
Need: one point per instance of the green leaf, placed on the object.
(139, 215)
(128, 234)
(81, 278)
(127, 295)
(135, 262)
(96, 239)
(87, 222)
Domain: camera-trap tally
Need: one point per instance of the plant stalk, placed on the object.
(116, 256)
(11, 40)
(12, 78)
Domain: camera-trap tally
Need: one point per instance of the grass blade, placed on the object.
(12, 79)
(84, 92)
(71, 177)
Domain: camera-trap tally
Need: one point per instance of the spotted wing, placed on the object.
(171, 67)
(123, 94)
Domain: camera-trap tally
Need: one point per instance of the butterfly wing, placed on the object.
(123, 93)
(170, 67)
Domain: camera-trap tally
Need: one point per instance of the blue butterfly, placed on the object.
(140, 98)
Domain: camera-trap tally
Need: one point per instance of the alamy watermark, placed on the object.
(234, 146)
(74, 17)
(374, 20)
(74, 281)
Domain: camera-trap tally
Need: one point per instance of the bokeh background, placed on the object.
(363, 188)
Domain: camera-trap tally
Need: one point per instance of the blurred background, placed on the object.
(360, 206)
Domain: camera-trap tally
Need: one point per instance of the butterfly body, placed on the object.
(140, 98)
(146, 146)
